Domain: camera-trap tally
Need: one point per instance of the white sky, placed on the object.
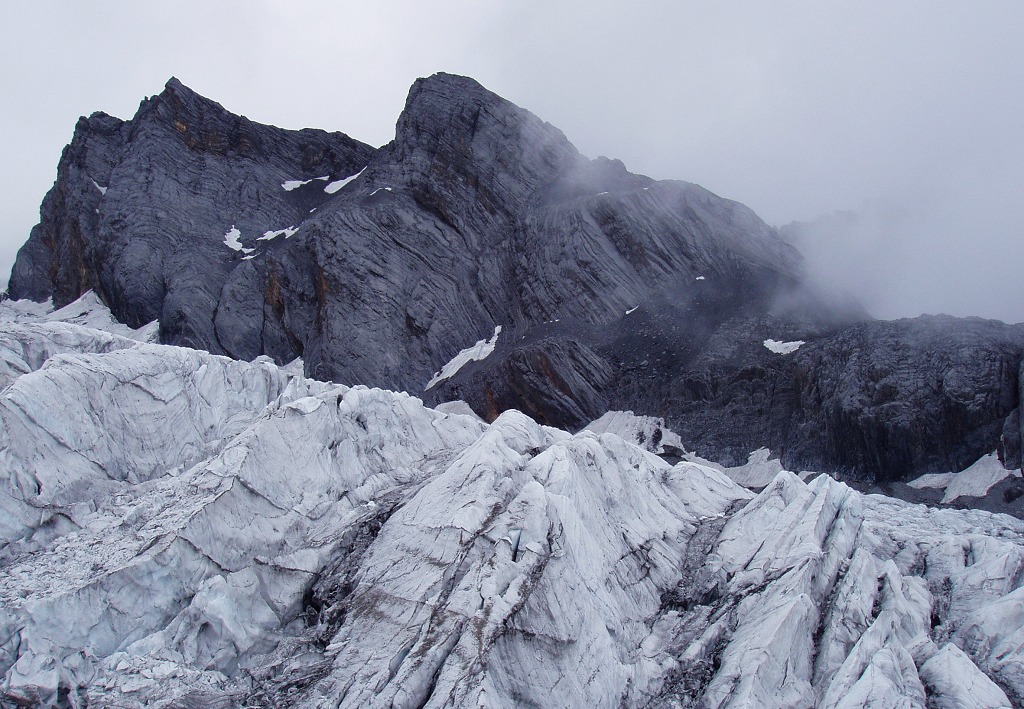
(910, 114)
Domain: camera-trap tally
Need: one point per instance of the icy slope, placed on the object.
(182, 530)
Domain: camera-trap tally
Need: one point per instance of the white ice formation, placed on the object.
(290, 185)
(180, 529)
(232, 239)
(779, 347)
(335, 186)
(975, 481)
(648, 432)
(471, 354)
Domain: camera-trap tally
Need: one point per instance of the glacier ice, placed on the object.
(648, 432)
(181, 529)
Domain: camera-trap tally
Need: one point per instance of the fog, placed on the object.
(896, 130)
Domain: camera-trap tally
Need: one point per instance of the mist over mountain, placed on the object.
(899, 259)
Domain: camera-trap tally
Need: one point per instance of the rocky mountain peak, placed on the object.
(463, 137)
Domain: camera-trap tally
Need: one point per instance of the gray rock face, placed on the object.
(612, 290)
(140, 209)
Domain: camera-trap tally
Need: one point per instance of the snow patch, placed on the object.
(388, 189)
(338, 184)
(290, 185)
(932, 480)
(974, 481)
(231, 240)
(700, 278)
(632, 309)
(268, 235)
(477, 352)
(783, 347)
(101, 188)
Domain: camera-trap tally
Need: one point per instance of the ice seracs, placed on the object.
(648, 432)
(198, 531)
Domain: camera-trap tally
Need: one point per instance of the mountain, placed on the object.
(612, 291)
(181, 529)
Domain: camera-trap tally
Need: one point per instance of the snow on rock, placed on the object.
(647, 432)
(273, 234)
(977, 479)
(181, 529)
(231, 240)
(101, 188)
(783, 347)
(335, 186)
(974, 481)
(290, 185)
(932, 480)
(477, 352)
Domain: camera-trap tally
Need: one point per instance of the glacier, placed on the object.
(181, 529)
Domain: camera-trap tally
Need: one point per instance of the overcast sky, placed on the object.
(907, 115)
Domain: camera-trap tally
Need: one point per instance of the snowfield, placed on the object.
(182, 529)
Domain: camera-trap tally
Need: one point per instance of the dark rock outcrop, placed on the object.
(613, 290)
(140, 209)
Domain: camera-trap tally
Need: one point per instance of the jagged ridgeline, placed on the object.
(612, 291)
